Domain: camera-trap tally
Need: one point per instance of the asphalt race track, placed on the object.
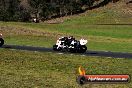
(88, 53)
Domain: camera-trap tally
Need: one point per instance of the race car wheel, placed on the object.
(1, 42)
(55, 47)
(83, 49)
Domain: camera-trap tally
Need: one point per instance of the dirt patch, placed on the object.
(16, 31)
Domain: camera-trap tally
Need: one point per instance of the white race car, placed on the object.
(70, 45)
(1, 40)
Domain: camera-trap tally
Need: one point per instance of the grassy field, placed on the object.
(101, 37)
(117, 38)
(25, 69)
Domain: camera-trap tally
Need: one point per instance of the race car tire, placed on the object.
(82, 49)
(55, 47)
(1, 42)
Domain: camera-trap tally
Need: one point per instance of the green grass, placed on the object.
(30, 41)
(117, 38)
(25, 69)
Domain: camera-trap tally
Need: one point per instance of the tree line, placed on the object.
(25, 10)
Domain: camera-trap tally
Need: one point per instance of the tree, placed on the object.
(8, 9)
(36, 7)
(23, 10)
